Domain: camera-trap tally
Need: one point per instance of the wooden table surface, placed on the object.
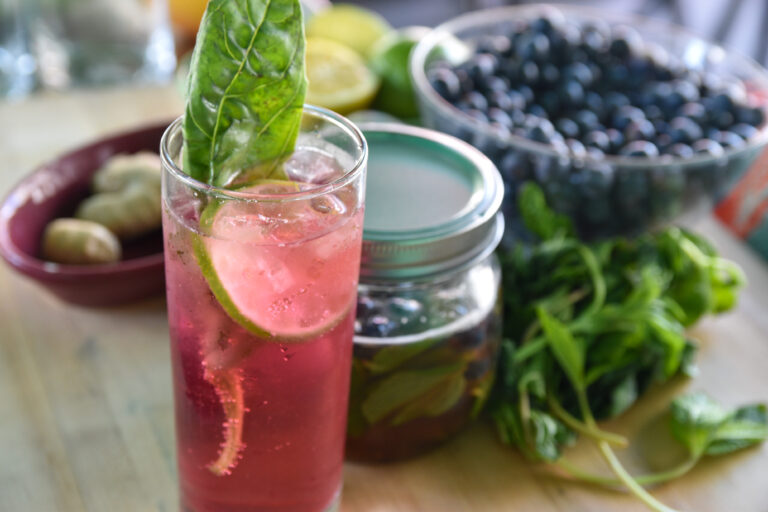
(85, 395)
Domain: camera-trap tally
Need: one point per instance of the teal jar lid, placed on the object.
(432, 203)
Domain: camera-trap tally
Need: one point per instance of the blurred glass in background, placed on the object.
(17, 65)
(59, 44)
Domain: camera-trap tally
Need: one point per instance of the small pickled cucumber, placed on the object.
(129, 213)
(122, 170)
(80, 242)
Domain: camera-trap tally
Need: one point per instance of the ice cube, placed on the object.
(311, 165)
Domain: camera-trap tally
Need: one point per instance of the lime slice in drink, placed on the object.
(338, 77)
(350, 25)
(275, 266)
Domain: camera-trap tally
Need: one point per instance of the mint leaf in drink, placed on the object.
(246, 90)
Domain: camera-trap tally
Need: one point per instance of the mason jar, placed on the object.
(428, 323)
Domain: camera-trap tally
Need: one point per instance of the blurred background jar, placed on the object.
(100, 42)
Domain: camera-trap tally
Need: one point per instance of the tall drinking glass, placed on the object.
(261, 285)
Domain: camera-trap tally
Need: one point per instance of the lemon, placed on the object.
(338, 77)
(352, 26)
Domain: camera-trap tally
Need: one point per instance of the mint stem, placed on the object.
(614, 463)
(583, 428)
(649, 479)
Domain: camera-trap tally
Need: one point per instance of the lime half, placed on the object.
(350, 25)
(338, 77)
(267, 266)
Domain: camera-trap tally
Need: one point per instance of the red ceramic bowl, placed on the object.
(54, 190)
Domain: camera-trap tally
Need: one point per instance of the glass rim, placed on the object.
(223, 193)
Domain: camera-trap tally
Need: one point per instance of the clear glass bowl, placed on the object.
(607, 196)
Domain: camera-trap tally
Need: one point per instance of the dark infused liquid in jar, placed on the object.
(412, 391)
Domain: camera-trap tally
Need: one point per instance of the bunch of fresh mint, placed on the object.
(589, 327)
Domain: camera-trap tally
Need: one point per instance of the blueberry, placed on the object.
(543, 131)
(529, 73)
(567, 127)
(641, 129)
(640, 148)
(721, 101)
(475, 100)
(496, 115)
(517, 116)
(580, 72)
(527, 93)
(377, 326)
(533, 46)
(494, 84)
(694, 110)
(481, 66)
(536, 110)
(653, 113)
(598, 139)
(572, 94)
(743, 130)
(754, 116)
(550, 75)
(595, 153)
(477, 115)
(625, 115)
(616, 139)
(626, 42)
(446, 83)
(404, 309)
(640, 68)
(365, 306)
(682, 92)
(514, 167)
(614, 100)
(587, 120)
(618, 76)
(594, 37)
(594, 103)
(517, 100)
(729, 139)
(576, 148)
(721, 119)
(679, 150)
(500, 99)
(707, 147)
(684, 129)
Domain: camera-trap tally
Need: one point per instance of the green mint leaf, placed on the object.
(246, 89)
(566, 349)
(403, 387)
(391, 357)
(549, 436)
(747, 427)
(538, 217)
(440, 399)
(695, 420)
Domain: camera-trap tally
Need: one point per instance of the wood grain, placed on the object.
(85, 395)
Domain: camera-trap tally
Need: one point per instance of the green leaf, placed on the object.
(747, 426)
(246, 89)
(439, 400)
(539, 218)
(393, 356)
(695, 420)
(549, 436)
(568, 352)
(403, 387)
(623, 395)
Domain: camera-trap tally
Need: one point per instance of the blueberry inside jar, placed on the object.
(428, 322)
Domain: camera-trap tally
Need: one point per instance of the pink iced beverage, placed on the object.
(261, 298)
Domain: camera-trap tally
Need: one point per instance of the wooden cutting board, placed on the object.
(85, 395)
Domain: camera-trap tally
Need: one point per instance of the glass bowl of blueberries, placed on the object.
(626, 123)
